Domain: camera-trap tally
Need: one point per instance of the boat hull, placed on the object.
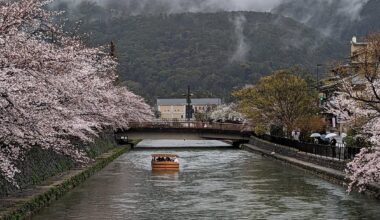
(165, 165)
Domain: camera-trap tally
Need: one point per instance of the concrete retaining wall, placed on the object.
(292, 152)
(24, 205)
(325, 168)
(330, 174)
(39, 164)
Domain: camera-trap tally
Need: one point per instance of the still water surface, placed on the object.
(212, 184)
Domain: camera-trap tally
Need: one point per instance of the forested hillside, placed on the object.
(213, 52)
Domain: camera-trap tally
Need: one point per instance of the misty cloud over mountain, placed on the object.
(306, 8)
(242, 47)
(331, 17)
(136, 7)
(156, 41)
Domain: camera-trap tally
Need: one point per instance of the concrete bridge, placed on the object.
(234, 134)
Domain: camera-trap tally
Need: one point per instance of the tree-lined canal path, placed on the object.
(212, 184)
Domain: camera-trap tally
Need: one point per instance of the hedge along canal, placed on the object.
(30, 201)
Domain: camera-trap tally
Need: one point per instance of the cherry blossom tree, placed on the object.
(227, 113)
(53, 88)
(358, 103)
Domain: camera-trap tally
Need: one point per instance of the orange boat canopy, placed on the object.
(164, 155)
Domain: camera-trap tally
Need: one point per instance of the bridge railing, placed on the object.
(339, 152)
(191, 125)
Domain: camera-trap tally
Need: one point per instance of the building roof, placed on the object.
(205, 101)
(354, 41)
(360, 43)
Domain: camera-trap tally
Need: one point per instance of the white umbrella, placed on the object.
(331, 135)
(314, 135)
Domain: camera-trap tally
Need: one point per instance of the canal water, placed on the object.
(211, 184)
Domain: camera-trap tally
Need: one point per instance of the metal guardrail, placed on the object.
(337, 152)
(192, 125)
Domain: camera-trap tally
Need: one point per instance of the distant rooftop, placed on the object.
(355, 41)
(205, 101)
(360, 43)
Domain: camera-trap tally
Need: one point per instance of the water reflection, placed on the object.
(212, 184)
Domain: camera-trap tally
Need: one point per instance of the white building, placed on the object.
(175, 109)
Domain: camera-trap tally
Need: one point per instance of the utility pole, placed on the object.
(319, 98)
(189, 107)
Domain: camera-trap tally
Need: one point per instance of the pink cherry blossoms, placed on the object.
(358, 103)
(53, 88)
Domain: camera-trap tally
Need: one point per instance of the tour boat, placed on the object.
(165, 162)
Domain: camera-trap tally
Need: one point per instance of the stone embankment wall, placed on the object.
(38, 164)
(29, 202)
(291, 152)
(327, 168)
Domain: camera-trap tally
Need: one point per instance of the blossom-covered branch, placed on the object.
(358, 103)
(54, 91)
(225, 113)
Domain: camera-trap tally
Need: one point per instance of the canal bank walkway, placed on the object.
(29, 201)
(330, 174)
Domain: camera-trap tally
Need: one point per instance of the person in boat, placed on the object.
(176, 160)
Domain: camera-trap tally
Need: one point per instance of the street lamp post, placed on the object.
(318, 90)
(318, 65)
